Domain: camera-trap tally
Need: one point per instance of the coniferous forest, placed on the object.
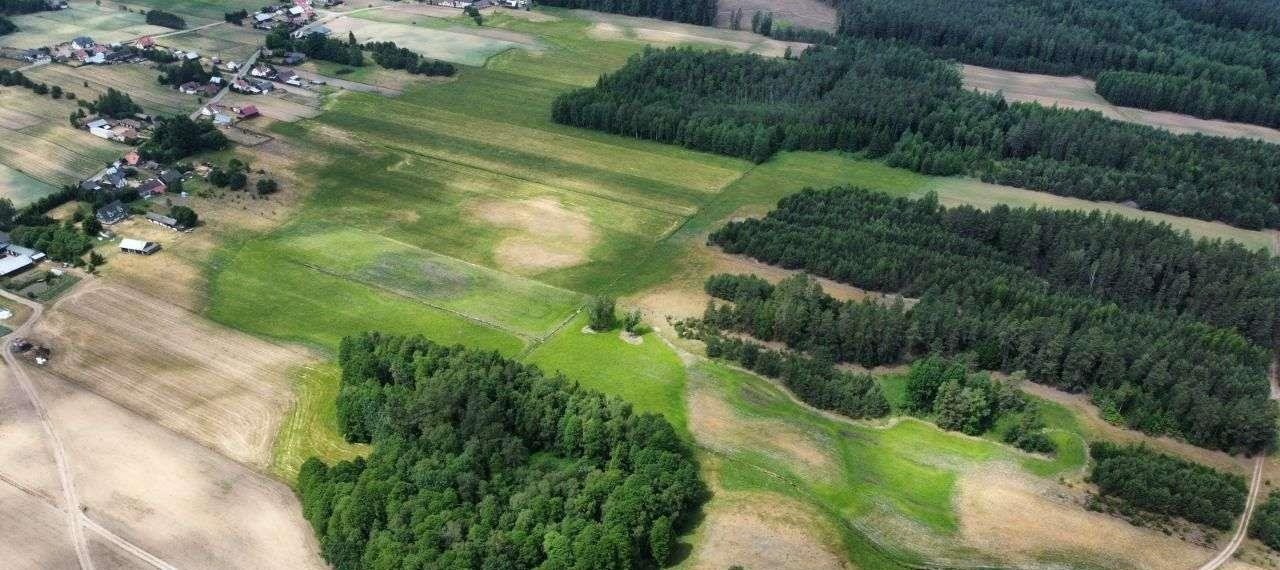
(1131, 312)
(897, 102)
(483, 462)
(1167, 485)
(1216, 59)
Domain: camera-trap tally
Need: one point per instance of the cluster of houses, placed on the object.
(128, 130)
(292, 16)
(88, 52)
(130, 172)
(270, 73)
(222, 115)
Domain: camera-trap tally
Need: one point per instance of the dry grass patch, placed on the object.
(545, 235)
(615, 27)
(762, 530)
(716, 426)
(224, 389)
(33, 533)
(1078, 93)
(1026, 520)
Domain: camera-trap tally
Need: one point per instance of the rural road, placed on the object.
(244, 68)
(76, 519)
(1243, 529)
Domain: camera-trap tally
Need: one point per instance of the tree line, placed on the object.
(166, 19)
(1210, 59)
(7, 26)
(1162, 371)
(897, 102)
(1167, 485)
(391, 56)
(483, 462)
(700, 12)
(19, 7)
(1265, 525)
(316, 46)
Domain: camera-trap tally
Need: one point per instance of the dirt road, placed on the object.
(75, 518)
(70, 500)
(1243, 529)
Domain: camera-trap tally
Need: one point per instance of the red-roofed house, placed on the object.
(153, 186)
(247, 112)
(132, 158)
(146, 42)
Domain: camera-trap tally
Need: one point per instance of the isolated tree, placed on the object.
(185, 216)
(601, 315)
(267, 186)
(91, 226)
(237, 180)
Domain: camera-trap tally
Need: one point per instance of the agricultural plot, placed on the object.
(21, 188)
(660, 33)
(218, 387)
(1078, 93)
(198, 12)
(228, 42)
(447, 45)
(104, 23)
(138, 80)
(55, 155)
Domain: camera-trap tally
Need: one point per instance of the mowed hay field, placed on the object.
(136, 79)
(447, 45)
(1078, 93)
(226, 41)
(222, 388)
(105, 23)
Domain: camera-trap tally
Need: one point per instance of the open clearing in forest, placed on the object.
(1078, 93)
(104, 23)
(814, 14)
(660, 33)
(219, 387)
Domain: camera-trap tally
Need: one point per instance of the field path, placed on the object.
(71, 501)
(1243, 529)
(76, 519)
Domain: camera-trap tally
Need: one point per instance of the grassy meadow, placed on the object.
(458, 210)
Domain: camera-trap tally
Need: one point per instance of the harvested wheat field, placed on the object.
(224, 389)
(616, 27)
(1078, 93)
(1028, 520)
(180, 501)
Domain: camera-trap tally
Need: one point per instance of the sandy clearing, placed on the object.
(546, 234)
(761, 530)
(807, 13)
(1078, 93)
(1097, 427)
(1025, 519)
(222, 388)
(180, 501)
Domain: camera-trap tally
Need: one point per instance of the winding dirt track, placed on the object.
(76, 519)
(1243, 529)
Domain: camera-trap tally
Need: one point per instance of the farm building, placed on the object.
(247, 112)
(152, 187)
(11, 264)
(163, 220)
(130, 245)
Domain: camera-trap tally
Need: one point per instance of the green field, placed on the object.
(452, 44)
(22, 189)
(419, 201)
(197, 12)
(105, 24)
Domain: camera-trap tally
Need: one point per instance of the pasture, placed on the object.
(226, 41)
(21, 188)
(443, 44)
(105, 23)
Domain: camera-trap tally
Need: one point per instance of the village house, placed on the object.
(163, 220)
(246, 112)
(112, 213)
(132, 158)
(152, 187)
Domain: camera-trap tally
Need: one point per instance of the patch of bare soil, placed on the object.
(33, 533)
(180, 501)
(1098, 427)
(222, 388)
(1078, 93)
(542, 234)
(758, 530)
(807, 13)
(1024, 519)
